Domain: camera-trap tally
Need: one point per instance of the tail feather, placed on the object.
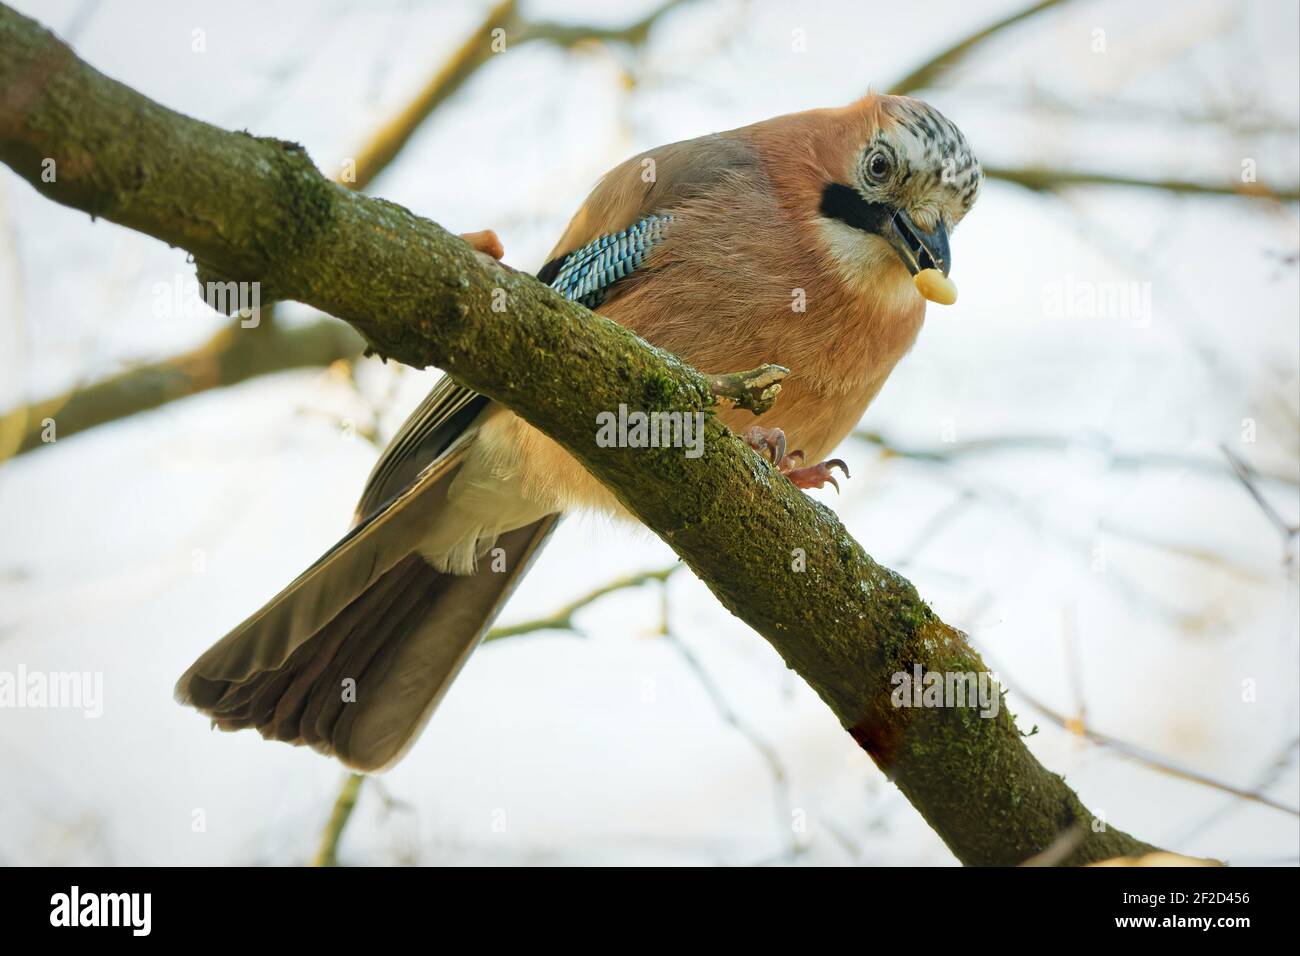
(308, 707)
(353, 656)
(255, 700)
(414, 668)
(417, 664)
(320, 594)
(362, 686)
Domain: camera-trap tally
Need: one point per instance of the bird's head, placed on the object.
(910, 178)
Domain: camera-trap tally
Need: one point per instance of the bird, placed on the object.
(796, 241)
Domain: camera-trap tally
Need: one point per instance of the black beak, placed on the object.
(917, 248)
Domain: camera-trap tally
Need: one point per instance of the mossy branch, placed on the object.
(229, 359)
(257, 210)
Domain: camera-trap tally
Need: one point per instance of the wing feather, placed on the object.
(611, 237)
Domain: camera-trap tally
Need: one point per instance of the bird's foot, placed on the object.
(767, 441)
(812, 476)
(771, 442)
(486, 242)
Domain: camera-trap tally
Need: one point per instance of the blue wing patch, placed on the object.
(585, 274)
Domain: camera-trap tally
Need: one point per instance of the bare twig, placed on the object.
(229, 358)
(1041, 179)
(387, 141)
(951, 451)
(568, 35)
(1243, 118)
(559, 620)
(1060, 848)
(1143, 756)
(934, 68)
(1281, 762)
(780, 778)
(562, 619)
(1246, 475)
(479, 48)
(344, 804)
(1044, 179)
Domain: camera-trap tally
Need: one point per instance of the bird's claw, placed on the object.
(767, 440)
(816, 476)
(771, 443)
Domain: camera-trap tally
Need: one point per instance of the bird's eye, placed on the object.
(878, 166)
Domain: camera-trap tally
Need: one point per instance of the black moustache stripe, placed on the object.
(845, 204)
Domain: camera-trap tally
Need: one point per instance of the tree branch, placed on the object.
(932, 69)
(475, 52)
(328, 852)
(151, 385)
(231, 356)
(558, 620)
(1042, 179)
(257, 210)
(387, 141)
(1149, 759)
(562, 618)
(951, 452)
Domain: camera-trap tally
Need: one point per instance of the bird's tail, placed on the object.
(352, 658)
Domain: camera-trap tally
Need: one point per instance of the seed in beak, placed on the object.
(935, 286)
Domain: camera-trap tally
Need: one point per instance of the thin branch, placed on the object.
(1146, 757)
(949, 452)
(1060, 848)
(479, 48)
(1274, 769)
(569, 35)
(780, 778)
(228, 358)
(231, 356)
(1043, 179)
(1246, 475)
(388, 140)
(562, 619)
(938, 65)
(1243, 118)
(1040, 179)
(559, 620)
(344, 804)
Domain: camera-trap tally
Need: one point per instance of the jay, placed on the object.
(700, 247)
